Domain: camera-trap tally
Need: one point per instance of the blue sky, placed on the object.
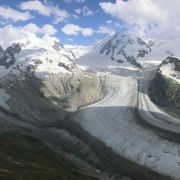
(85, 14)
(85, 21)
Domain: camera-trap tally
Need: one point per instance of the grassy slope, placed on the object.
(26, 158)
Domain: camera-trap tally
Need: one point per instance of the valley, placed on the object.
(114, 120)
(89, 90)
(96, 110)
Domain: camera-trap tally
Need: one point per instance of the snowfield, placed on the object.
(114, 121)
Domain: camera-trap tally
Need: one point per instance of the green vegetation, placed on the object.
(26, 158)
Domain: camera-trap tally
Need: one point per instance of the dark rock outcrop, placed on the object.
(165, 87)
(7, 57)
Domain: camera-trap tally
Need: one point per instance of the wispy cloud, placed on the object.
(12, 33)
(105, 30)
(47, 29)
(109, 21)
(73, 29)
(85, 11)
(150, 18)
(45, 9)
(78, 1)
(14, 15)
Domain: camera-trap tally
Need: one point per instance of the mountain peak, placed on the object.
(44, 56)
(127, 49)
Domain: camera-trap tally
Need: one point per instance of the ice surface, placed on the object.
(114, 121)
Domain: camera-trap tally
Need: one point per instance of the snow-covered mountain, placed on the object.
(43, 66)
(45, 56)
(130, 50)
(43, 82)
(78, 50)
(39, 86)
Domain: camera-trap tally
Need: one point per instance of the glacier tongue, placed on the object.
(116, 118)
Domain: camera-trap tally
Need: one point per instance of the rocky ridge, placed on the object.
(165, 87)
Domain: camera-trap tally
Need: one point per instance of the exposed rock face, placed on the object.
(59, 47)
(165, 87)
(7, 56)
(71, 91)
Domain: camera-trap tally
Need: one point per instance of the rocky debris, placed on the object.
(38, 61)
(73, 90)
(68, 67)
(142, 53)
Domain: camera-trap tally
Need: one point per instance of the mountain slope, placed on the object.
(132, 51)
(25, 157)
(126, 115)
(39, 85)
(43, 69)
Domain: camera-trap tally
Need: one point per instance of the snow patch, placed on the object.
(168, 70)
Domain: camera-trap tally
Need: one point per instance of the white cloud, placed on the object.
(78, 1)
(150, 18)
(85, 11)
(78, 11)
(14, 15)
(11, 33)
(109, 21)
(36, 6)
(75, 16)
(45, 9)
(59, 15)
(87, 31)
(73, 29)
(48, 29)
(31, 27)
(70, 39)
(105, 30)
